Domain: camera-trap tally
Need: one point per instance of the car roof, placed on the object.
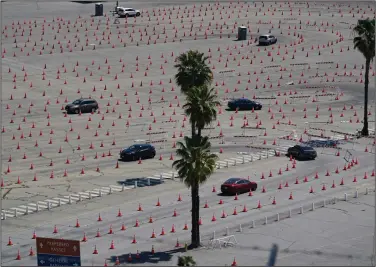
(235, 179)
(144, 145)
(82, 99)
(242, 98)
(305, 146)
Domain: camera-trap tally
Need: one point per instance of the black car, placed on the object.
(302, 152)
(244, 104)
(83, 105)
(238, 186)
(139, 151)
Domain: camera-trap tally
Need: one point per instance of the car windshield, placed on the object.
(131, 148)
(263, 37)
(232, 181)
(76, 102)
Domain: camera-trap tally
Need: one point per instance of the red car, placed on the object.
(238, 186)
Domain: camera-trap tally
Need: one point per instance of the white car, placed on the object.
(267, 39)
(127, 12)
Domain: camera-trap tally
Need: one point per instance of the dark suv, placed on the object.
(136, 152)
(301, 152)
(83, 105)
(244, 104)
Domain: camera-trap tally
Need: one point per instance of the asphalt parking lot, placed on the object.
(310, 84)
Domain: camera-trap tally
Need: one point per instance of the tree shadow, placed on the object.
(146, 257)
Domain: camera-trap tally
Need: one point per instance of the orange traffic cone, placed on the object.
(31, 252)
(235, 212)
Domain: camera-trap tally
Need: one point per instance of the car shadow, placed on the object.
(146, 257)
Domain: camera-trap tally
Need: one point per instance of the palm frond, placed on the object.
(196, 163)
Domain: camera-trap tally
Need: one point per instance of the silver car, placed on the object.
(267, 39)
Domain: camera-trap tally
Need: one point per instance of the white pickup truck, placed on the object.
(124, 12)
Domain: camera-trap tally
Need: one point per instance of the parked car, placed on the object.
(83, 105)
(127, 12)
(267, 39)
(302, 152)
(244, 104)
(237, 186)
(138, 151)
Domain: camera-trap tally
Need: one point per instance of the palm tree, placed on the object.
(364, 42)
(200, 107)
(186, 261)
(194, 167)
(192, 70)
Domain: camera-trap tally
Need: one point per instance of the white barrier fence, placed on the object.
(226, 237)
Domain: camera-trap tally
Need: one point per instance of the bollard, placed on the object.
(266, 220)
(110, 192)
(59, 202)
(345, 197)
(366, 190)
(79, 197)
(37, 206)
(148, 181)
(277, 217)
(226, 163)
(253, 223)
(301, 210)
(100, 192)
(234, 162)
(89, 194)
(356, 194)
(251, 157)
(313, 206)
(240, 228)
(27, 210)
(70, 199)
(227, 231)
(324, 203)
(267, 153)
(289, 213)
(48, 205)
(260, 157)
(218, 166)
(160, 176)
(173, 176)
(15, 212)
(122, 187)
(135, 184)
(5, 216)
(213, 235)
(243, 159)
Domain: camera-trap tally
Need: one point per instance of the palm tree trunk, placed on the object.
(195, 242)
(199, 131)
(366, 83)
(193, 129)
(198, 216)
